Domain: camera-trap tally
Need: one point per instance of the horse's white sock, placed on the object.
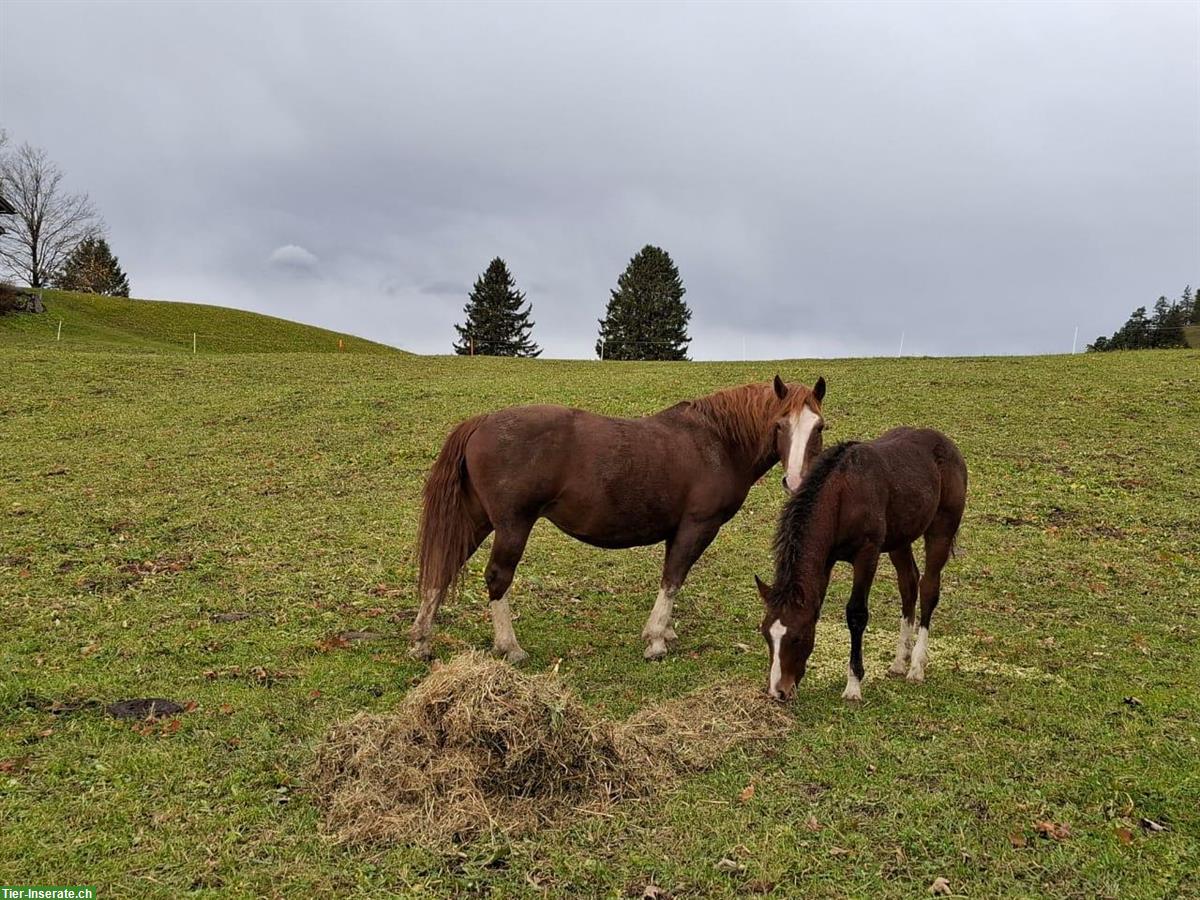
(853, 689)
(920, 654)
(900, 663)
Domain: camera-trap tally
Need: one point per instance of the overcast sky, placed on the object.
(980, 177)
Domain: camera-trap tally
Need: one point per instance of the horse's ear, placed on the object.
(780, 388)
(764, 590)
(819, 389)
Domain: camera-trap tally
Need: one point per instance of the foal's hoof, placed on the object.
(420, 652)
(853, 695)
(513, 657)
(898, 670)
(657, 650)
(916, 676)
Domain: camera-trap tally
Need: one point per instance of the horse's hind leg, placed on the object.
(682, 552)
(908, 578)
(422, 627)
(507, 548)
(938, 544)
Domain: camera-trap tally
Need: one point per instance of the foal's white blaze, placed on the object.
(803, 424)
(777, 631)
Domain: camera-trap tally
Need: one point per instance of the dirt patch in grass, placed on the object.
(479, 747)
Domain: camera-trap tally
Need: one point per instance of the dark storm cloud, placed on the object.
(981, 178)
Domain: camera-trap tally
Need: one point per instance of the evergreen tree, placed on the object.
(1168, 326)
(646, 316)
(495, 323)
(91, 267)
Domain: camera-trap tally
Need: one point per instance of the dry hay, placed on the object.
(479, 746)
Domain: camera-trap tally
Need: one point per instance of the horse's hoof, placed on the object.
(854, 696)
(916, 676)
(657, 650)
(516, 656)
(420, 652)
(670, 635)
(895, 672)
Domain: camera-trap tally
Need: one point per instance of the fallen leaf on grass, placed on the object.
(725, 864)
(14, 764)
(758, 886)
(333, 642)
(940, 887)
(812, 824)
(230, 616)
(385, 590)
(1054, 830)
(1151, 825)
(653, 892)
(746, 793)
(226, 709)
(1125, 836)
(1017, 839)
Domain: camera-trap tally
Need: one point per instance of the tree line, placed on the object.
(646, 316)
(53, 237)
(1167, 326)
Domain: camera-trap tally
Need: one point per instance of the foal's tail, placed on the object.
(447, 535)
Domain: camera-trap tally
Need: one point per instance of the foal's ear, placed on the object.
(780, 388)
(764, 590)
(819, 389)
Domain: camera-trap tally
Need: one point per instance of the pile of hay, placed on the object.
(479, 746)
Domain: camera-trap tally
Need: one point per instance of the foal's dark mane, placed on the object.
(794, 521)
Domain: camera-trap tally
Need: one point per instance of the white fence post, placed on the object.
(59, 338)
(193, 343)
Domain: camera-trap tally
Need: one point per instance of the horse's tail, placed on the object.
(447, 534)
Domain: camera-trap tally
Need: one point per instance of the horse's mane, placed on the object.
(738, 414)
(796, 517)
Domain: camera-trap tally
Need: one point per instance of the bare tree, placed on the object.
(49, 222)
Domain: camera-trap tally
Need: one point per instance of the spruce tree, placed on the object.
(495, 323)
(92, 268)
(646, 317)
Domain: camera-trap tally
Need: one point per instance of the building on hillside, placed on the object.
(6, 209)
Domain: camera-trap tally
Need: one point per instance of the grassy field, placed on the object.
(143, 497)
(92, 322)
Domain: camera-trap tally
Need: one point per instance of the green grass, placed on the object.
(94, 322)
(287, 488)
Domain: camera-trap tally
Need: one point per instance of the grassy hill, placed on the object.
(204, 530)
(93, 322)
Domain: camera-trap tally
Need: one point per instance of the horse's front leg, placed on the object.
(856, 618)
(691, 540)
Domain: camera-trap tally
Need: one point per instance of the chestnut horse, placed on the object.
(860, 500)
(675, 476)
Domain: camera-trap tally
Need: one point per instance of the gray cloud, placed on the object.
(980, 177)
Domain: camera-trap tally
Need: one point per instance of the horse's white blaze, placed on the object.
(802, 424)
(777, 631)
